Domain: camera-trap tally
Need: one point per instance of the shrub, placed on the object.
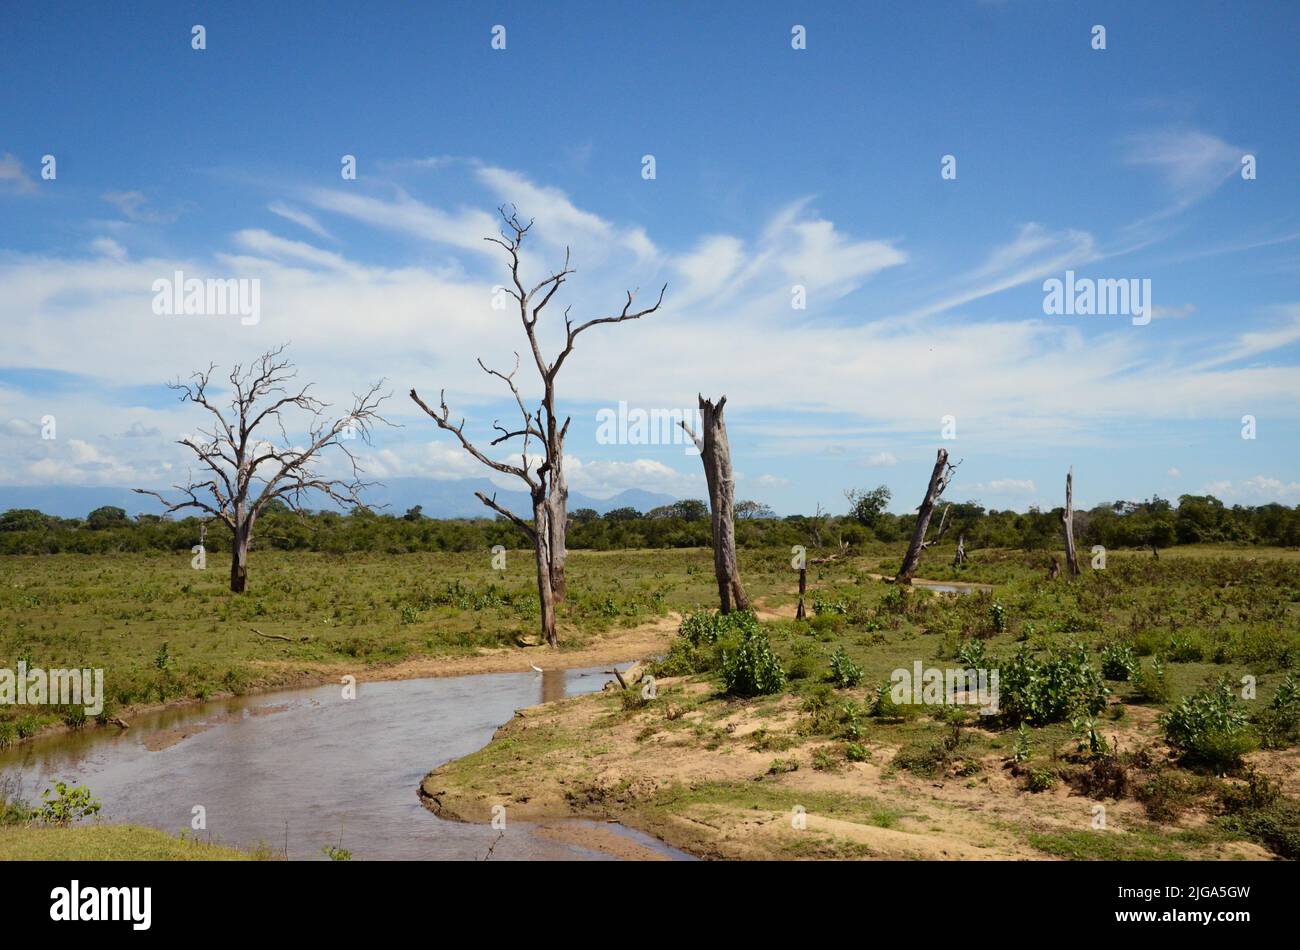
(821, 606)
(1041, 780)
(1210, 728)
(972, 655)
(855, 752)
(1118, 662)
(752, 669)
(67, 804)
(1151, 684)
(844, 673)
(1278, 724)
(1051, 690)
(883, 705)
(998, 618)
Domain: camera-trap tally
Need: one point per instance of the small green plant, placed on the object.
(972, 655)
(336, 853)
(410, 614)
(856, 752)
(1118, 662)
(752, 669)
(998, 617)
(1087, 731)
(1021, 751)
(65, 804)
(844, 673)
(1041, 780)
(1151, 684)
(883, 706)
(821, 606)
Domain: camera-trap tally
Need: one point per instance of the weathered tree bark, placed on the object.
(557, 524)
(802, 613)
(243, 536)
(939, 479)
(715, 453)
(1067, 520)
(541, 548)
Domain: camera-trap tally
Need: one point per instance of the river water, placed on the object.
(310, 768)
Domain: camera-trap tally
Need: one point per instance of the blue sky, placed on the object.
(775, 167)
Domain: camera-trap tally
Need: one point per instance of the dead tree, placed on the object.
(247, 470)
(959, 558)
(546, 484)
(715, 453)
(939, 480)
(1067, 521)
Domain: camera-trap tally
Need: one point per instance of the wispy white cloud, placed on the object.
(300, 218)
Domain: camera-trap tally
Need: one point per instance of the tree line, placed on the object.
(1192, 519)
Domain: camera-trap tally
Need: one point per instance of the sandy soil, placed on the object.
(574, 759)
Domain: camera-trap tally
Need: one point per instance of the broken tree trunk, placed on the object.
(1067, 519)
(959, 558)
(243, 537)
(801, 613)
(939, 479)
(715, 453)
(557, 511)
(541, 543)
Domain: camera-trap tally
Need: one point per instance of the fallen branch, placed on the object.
(276, 636)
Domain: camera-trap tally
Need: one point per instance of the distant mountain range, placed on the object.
(437, 499)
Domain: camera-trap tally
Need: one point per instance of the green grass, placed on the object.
(106, 843)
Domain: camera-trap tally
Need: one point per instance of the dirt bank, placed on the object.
(716, 778)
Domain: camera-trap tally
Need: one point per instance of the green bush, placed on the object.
(1278, 724)
(752, 669)
(1054, 689)
(1151, 684)
(844, 673)
(1210, 728)
(1118, 662)
(65, 804)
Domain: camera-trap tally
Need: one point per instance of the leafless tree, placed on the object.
(939, 479)
(715, 452)
(244, 470)
(542, 426)
(1067, 522)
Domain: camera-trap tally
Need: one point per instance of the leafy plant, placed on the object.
(65, 804)
(844, 672)
(1118, 662)
(752, 669)
(1210, 728)
(1054, 689)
